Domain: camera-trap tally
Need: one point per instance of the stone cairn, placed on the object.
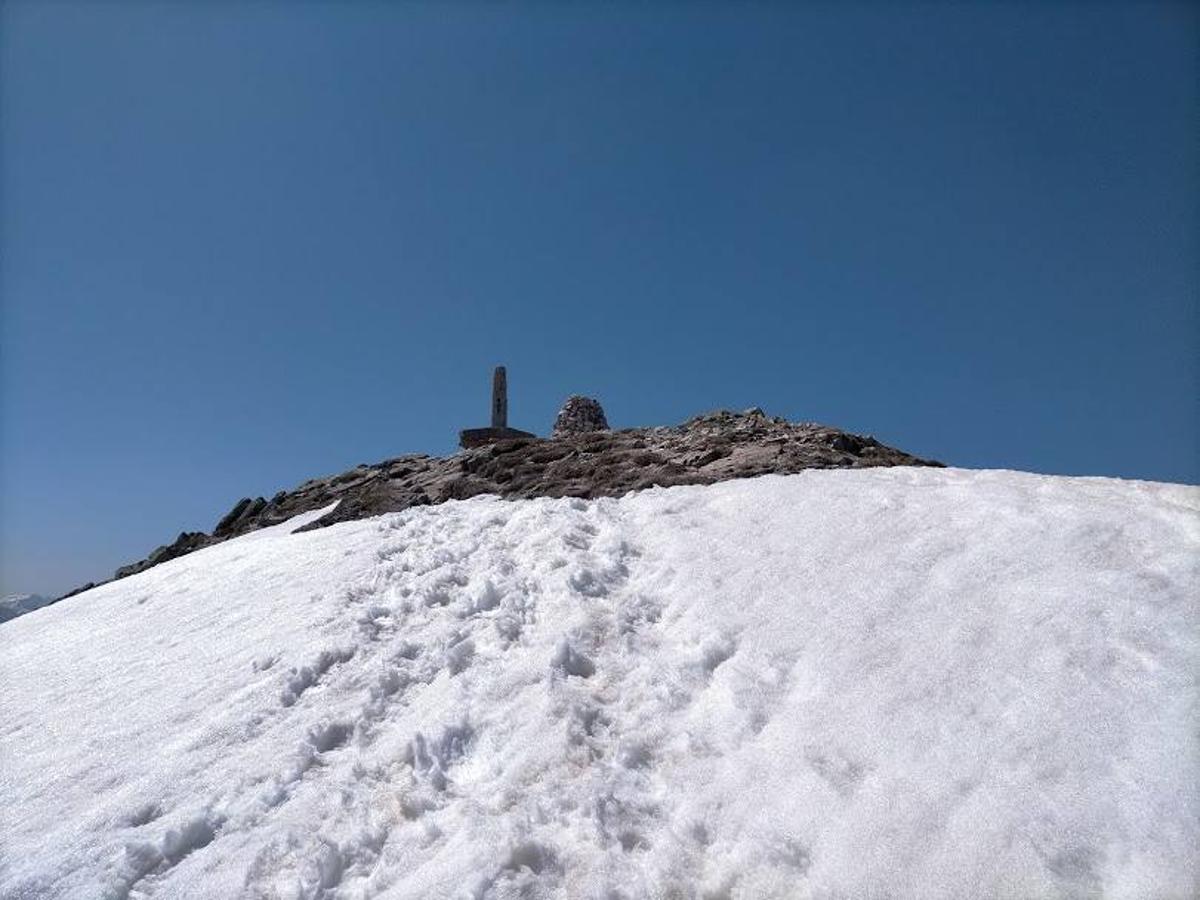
(580, 415)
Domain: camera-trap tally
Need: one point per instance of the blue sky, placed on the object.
(246, 244)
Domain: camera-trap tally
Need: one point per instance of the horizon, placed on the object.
(243, 246)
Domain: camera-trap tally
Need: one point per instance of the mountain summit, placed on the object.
(578, 460)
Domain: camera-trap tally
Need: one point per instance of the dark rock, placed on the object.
(708, 456)
(78, 590)
(243, 509)
(185, 543)
(232, 516)
(847, 443)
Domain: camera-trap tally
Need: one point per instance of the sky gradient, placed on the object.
(246, 244)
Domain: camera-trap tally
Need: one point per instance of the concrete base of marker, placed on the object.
(479, 437)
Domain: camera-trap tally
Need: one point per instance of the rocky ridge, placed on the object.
(718, 446)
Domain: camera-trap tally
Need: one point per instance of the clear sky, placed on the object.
(248, 243)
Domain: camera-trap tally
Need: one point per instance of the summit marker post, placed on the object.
(498, 430)
(499, 398)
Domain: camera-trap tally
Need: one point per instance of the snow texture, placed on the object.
(904, 683)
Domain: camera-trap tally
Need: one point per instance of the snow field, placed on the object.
(875, 683)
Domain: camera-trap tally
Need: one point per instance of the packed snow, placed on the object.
(905, 683)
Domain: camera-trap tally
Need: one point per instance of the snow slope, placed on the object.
(907, 683)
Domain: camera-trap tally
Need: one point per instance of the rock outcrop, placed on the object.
(185, 543)
(579, 415)
(573, 463)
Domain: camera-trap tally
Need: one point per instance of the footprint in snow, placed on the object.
(840, 772)
(460, 654)
(143, 815)
(571, 661)
(299, 680)
(329, 736)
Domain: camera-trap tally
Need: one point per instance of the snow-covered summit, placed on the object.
(884, 682)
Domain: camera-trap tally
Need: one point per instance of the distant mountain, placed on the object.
(18, 604)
